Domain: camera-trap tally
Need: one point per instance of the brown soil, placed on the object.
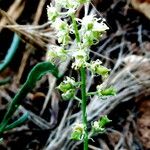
(143, 123)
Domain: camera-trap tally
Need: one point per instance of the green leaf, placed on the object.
(35, 74)
(38, 71)
(18, 122)
(11, 52)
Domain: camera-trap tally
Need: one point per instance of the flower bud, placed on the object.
(103, 121)
(78, 132)
(96, 127)
(67, 84)
(99, 126)
(101, 70)
(68, 94)
(109, 91)
(97, 68)
(106, 92)
(64, 87)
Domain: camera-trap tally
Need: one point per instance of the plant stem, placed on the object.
(75, 28)
(83, 87)
(78, 99)
(91, 93)
(83, 106)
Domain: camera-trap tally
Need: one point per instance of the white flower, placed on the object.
(91, 30)
(63, 31)
(67, 3)
(101, 27)
(56, 52)
(70, 3)
(60, 24)
(94, 64)
(96, 125)
(87, 20)
(90, 22)
(70, 81)
(52, 13)
(78, 126)
(81, 57)
(77, 132)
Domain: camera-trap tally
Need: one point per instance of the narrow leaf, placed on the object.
(35, 74)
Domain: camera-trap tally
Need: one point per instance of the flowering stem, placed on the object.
(83, 106)
(83, 87)
(75, 28)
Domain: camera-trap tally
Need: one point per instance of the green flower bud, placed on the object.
(78, 132)
(99, 126)
(67, 84)
(106, 92)
(97, 68)
(103, 121)
(101, 70)
(96, 128)
(76, 135)
(64, 87)
(68, 94)
(109, 91)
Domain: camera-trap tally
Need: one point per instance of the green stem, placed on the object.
(91, 93)
(83, 106)
(78, 99)
(75, 28)
(83, 87)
